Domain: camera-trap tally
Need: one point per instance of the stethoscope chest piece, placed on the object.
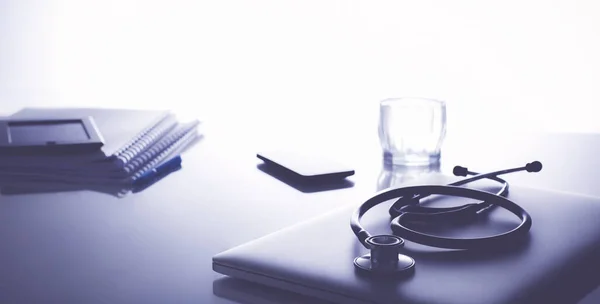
(385, 257)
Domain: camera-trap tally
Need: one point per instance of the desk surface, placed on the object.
(156, 246)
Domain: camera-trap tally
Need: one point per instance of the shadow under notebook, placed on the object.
(116, 190)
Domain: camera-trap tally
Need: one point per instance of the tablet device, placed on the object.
(49, 135)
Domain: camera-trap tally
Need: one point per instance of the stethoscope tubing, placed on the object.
(403, 204)
(407, 208)
(403, 231)
(400, 230)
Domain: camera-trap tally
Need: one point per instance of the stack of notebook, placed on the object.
(135, 142)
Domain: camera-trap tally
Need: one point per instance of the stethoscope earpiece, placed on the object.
(385, 257)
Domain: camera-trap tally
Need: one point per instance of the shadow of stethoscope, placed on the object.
(118, 190)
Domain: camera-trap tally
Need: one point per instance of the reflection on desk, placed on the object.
(116, 190)
(246, 292)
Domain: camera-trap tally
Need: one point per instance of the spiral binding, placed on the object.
(150, 137)
(182, 142)
(156, 153)
(142, 134)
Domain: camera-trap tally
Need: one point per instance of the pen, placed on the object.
(166, 167)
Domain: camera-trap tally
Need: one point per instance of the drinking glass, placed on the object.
(396, 176)
(412, 130)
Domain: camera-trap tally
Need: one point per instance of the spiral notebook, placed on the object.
(179, 141)
(135, 142)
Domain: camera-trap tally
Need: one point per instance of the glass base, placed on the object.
(411, 160)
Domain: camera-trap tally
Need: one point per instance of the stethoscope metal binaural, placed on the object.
(385, 257)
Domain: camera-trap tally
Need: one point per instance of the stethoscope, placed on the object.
(385, 257)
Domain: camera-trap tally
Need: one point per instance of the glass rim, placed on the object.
(389, 101)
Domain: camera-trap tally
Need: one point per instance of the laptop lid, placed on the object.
(559, 263)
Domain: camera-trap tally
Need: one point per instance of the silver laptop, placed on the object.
(560, 263)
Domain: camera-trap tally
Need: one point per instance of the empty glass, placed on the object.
(412, 130)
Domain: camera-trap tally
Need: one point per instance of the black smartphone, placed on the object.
(305, 167)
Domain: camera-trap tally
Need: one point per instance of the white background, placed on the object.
(522, 65)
